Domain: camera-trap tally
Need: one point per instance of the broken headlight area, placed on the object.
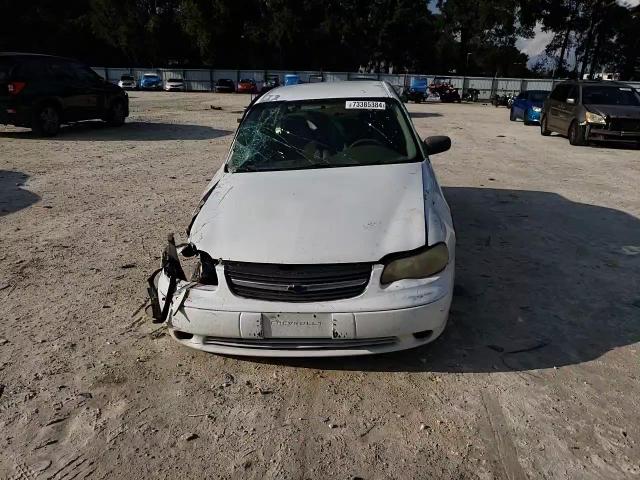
(204, 272)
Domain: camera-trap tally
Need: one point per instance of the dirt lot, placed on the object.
(537, 375)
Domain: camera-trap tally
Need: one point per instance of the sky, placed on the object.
(534, 47)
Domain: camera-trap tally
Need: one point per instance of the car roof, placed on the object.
(35, 55)
(317, 91)
(604, 83)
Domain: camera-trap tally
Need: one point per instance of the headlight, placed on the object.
(422, 265)
(536, 109)
(595, 118)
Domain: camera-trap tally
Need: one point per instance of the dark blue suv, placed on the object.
(42, 92)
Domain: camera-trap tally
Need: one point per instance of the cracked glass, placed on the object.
(323, 134)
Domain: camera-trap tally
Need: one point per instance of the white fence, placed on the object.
(203, 80)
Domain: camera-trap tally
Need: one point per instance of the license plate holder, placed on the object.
(297, 325)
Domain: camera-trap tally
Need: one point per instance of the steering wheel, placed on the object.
(366, 141)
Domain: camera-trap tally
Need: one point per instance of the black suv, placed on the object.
(42, 92)
(593, 111)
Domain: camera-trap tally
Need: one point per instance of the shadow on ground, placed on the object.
(97, 131)
(424, 114)
(595, 144)
(13, 195)
(542, 282)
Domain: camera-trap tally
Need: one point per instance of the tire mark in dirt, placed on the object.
(23, 472)
(302, 449)
(303, 453)
(502, 447)
(76, 467)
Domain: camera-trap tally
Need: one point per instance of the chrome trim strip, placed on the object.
(312, 287)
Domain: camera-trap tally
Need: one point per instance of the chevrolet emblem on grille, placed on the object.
(296, 288)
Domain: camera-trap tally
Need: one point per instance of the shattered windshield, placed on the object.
(322, 134)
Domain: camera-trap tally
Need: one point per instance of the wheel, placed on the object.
(116, 113)
(46, 121)
(512, 115)
(577, 134)
(525, 118)
(544, 130)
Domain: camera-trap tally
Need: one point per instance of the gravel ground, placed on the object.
(537, 375)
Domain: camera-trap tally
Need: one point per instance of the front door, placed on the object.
(556, 102)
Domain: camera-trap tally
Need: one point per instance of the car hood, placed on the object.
(328, 215)
(615, 111)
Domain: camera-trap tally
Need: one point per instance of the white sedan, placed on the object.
(325, 233)
(174, 85)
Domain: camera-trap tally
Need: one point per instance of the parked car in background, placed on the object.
(150, 81)
(127, 82)
(42, 92)
(527, 106)
(270, 83)
(418, 91)
(585, 111)
(273, 277)
(247, 85)
(225, 85)
(174, 85)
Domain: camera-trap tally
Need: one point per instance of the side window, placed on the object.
(84, 74)
(560, 93)
(521, 96)
(574, 93)
(61, 71)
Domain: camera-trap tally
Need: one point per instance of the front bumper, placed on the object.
(603, 135)
(533, 116)
(403, 315)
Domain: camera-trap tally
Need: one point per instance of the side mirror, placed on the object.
(437, 144)
(571, 101)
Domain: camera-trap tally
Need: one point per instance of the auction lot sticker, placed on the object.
(364, 105)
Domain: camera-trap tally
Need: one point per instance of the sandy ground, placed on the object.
(537, 375)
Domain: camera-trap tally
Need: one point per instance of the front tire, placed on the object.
(46, 121)
(116, 114)
(577, 135)
(512, 115)
(544, 130)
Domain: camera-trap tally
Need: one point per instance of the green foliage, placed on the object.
(462, 36)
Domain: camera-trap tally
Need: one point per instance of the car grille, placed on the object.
(297, 283)
(625, 124)
(300, 343)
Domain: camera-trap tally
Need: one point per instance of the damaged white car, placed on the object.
(325, 233)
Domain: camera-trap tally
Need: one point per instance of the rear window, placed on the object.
(5, 68)
(174, 80)
(150, 75)
(126, 78)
